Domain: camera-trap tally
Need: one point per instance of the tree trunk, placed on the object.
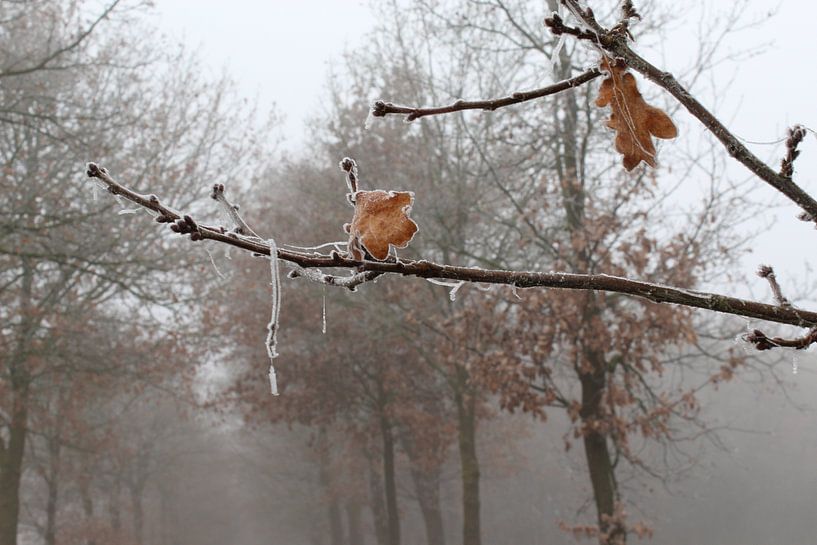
(54, 450)
(325, 477)
(599, 463)
(335, 523)
(390, 482)
(87, 503)
(11, 467)
(469, 464)
(376, 505)
(138, 514)
(354, 523)
(12, 452)
(427, 486)
(115, 507)
(426, 479)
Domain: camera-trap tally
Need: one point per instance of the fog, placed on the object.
(420, 403)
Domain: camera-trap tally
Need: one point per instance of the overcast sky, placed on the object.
(280, 50)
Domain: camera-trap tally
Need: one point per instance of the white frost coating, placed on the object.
(554, 57)
(455, 286)
(323, 313)
(453, 293)
(335, 245)
(273, 381)
(369, 120)
(272, 326)
(447, 283)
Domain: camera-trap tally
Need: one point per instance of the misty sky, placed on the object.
(280, 51)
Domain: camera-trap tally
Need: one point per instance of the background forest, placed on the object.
(134, 401)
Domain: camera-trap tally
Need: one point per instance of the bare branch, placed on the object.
(616, 44)
(765, 271)
(382, 109)
(796, 135)
(43, 63)
(349, 282)
(231, 210)
(424, 269)
(349, 166)
(762, 342)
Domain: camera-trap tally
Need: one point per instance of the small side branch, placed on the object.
(382, 109)
(241, 227)
(349, 282)
(763, 342)
(765, 271)
(796, 135)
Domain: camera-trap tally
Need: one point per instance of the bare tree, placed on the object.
(600, 229)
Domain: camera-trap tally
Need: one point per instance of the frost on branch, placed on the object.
(634, 121)
(272, 326)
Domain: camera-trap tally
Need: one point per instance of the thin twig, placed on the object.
(763, 342)
(382, 109)
(349, 282)
(796, 135)
(765, 271)
(425, 269)
(241, 227)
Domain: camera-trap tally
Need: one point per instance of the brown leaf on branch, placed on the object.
(381, 219)
(634, 121)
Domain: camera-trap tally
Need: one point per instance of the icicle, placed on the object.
(272, 327)
(452, 295)
(446, 283)
(455, 286)
(554, 57)
(126, 211)
(273, 381)
(794, 363)
(515, 293)
(369, 120)
(323, 321)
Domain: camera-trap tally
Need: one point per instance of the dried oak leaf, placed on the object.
(381, 219)
(634, 121)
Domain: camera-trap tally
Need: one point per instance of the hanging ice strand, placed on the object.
(323, 311)
(272, 326)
